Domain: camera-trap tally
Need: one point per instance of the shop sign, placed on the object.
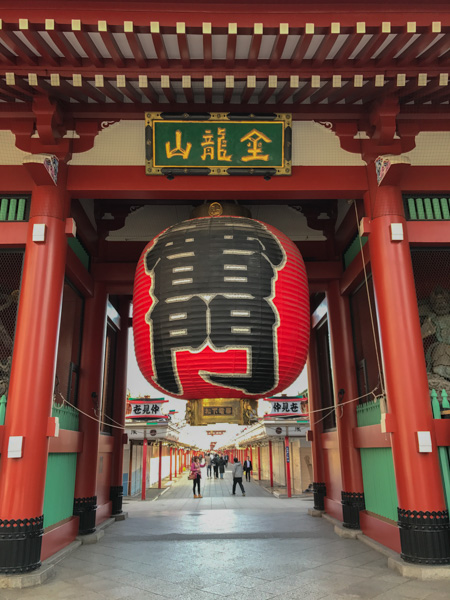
(287, 454)
(218, 144)
(143, 409)
(288, 407)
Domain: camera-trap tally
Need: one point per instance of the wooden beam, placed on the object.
(159, 45)
(255, 45)
(17, 46)
(186, 84)
(432, 54)
(86, 43)
(183, 45)
(147, 89)
(62, 43)
(207, 44)
(378, 38)
(268, 90)
(135, 45)
(419, 45)
(229, 88)
(303, 45)
(279, 45)
(326, 45)
(307, 90)
(231, 45)
(349, 46)
(396, 45)
(110, 92)
(289, 88)
(125, 87)
(249, 88)
(167, 88)
(111, 44)
(39, 44)
(208, 88)
(88, 89)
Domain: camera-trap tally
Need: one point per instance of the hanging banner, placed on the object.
(218, 144)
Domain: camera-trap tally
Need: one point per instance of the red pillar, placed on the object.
(89, 400)
(160, 465)
(316, 426)
(22, 480)
(144, 469)
(419, 484)
(287, 458)
(259, 463)
(179, 461)
(270, 463)
(345, 388)
(120, 400)
(170, 460)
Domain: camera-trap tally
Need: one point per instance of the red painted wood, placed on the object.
(59, 536)
(442, 429)
(170, 463)
(344, 378)
(78, 275)
(371, 437)
(270, 463)
(91, 368)
(35, 343)
(13, 235)
(333, 507)
(381, 530)
(259, 463)
(288, 466)
(429, 233)
(144, 469)
(67, 441)
(405, 373)
(160, 465)
(103, 512)
(106, 443)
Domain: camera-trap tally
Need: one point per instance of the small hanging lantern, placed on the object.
(221, 309)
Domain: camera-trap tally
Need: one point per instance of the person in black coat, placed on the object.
(248, 468)
(215, 463)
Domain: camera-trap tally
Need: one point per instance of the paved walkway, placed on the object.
(256, 547)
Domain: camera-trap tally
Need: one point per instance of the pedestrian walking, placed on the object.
(215, 462)
(196, 475)
(221, 466)
(248, 468)
(237, 476)
(208, 465)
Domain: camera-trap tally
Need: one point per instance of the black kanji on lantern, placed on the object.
(212, 284)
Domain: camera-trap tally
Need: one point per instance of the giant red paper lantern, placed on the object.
(221, 310)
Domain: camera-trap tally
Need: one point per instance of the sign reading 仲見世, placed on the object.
(218, 144)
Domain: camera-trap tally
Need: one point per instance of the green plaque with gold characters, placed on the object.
(218, 144)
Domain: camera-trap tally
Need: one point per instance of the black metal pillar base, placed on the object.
(85, 508)
(424, 536)
(352, 504)
(116, 496)
(320, 491)
(20, 545)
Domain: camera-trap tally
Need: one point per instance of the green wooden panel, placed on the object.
(68, 417)
(428, 209)
(412, 209)
(437, 209)
(380, 491)
(79, 250)
(368, 413)
(12, 209)
(22, 204)
(442, 451)
(353, 250)
(59, 487)
(4, 209)
(445, 208)
(420, 208)
(2, 410)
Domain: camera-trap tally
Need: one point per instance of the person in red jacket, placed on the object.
(196, 468)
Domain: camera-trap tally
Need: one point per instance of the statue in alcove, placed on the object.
(435, 328)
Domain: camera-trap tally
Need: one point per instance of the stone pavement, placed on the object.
(256, 547)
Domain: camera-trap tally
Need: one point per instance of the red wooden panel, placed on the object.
(68, 441)
(59, 536)
(381, 530)
(371, 437)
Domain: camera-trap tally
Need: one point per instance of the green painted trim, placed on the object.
(353, 250)
(2, 410)
(442, 451)
(13, 209)
(427, 209)
(68, 417)
(4, 209)
(59, 487)
(21, 209)
(368, 413)
(80, 252)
